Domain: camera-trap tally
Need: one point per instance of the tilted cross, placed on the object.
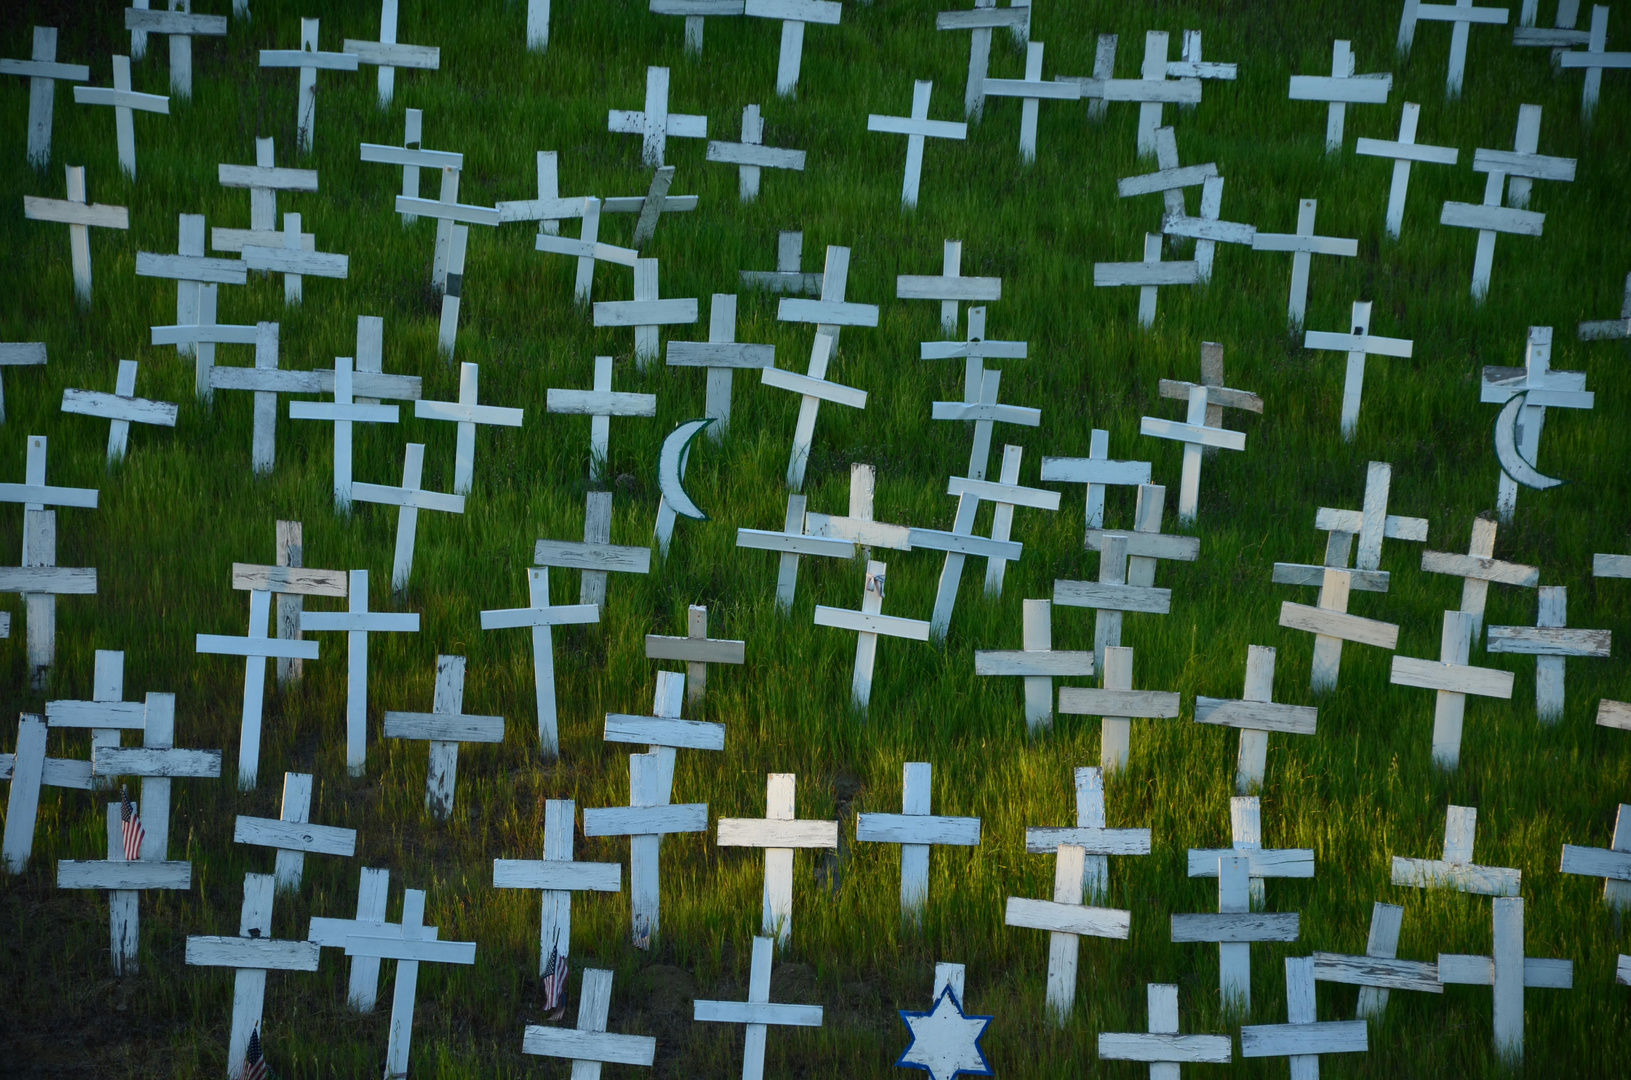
(813, 388)
(309, 60)
(1256, 714)
(295, 258)
(587, 249)
(410, 498)
(388, 55)
(558, 875)
(1456, 870)
(1170, 179)
(373, 887)
(1478, 569)
(1461, 14)
(444, 727)
(1037, 662)
(1196, 435)
(1378, 971)
(1117, 703)
(80, 218)
(916, 830)
(868, 623)
(1331, 625)
(120, 408)
(125, 104)
(1549, 643)
(196, 278)
(916, 128)
(539, 616)
(1612, 864)
(750, 155)
(1453, 680)
(1112, 594)
(1208, 230)
(722, 355)
(984, 18)
(757, 1013)
(1148, 276)
(596, 555)
(779, 834)
(646, 312)
(1594, 58)
(1404, 151)
(1234, 928)
(342, 412)
(961, 542)
(1359, 344)
(791, 543)
(600, 404)
(42, 72)
(1341, 88)
(656, 124)
(1302, 244)
(293, 834)
(291, 581)
(29, 769)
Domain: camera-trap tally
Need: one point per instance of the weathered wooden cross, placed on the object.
(467, 414)
(1456, 870)
(444, 727)
(587, 249)
(596, 555)
(1462, 14)
(722, 355)
(951, 288)
(388, 55)
(779, 834)
(961, 541)
(121, 408)
(868, 623)
(1098, 472)
(293, 834)
(539, 616)
(412, 158)
(1478, 568)
(1507, 972)
(984, 18)
(309, 60)
(107, 713)
(1170, 179)
(859, 526)
(757, 1013)
(1090, 834)
(264, 180)
(1117, 703)
(342, 412)
(695, 13)
(750, 155)
(791, 543)
(295, 260)
(181, 25)
(1612, 864)
(646, 312)
(787, 277)
(1358, 345)
(1111, 595)
(1032, 90)
(1208, 230)
(1561, 35)
(1196, 435)
(125, 881)
(1549, 642)
(1331, 625)
(80, 218)
(814, 387)
(696, 650)
(1218, 398)
(197, 278)
(1453, 679)
(1341, 88)
(1246, 838)
(1370, 525)
(1594, 58)
(1038, 663)
(373, 886)
(1378, 971)
(1234, 928)
(291, 581)
(916, 128)
(1404, 151)
(42, 71)
(1256, 714)
(916, 830)
(1302, 244)
(974, 352)
(656, 124)
(1305, 1037)
(793, 14)
(29, 769)
(558, 875)
(1148, 276)
(1163, 1047)
(125, 104)
(589, 1045)
(1540, 386)
(600, 404)
(985, 412)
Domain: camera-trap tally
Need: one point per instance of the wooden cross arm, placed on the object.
(791, 544)
(1377, 971)
(295, 836)
(125, 715)
(1454, 968)
(48, 580)
(1610, 566)
(1400, 151)
(1146, 704)
(1614, 714)
(696, 650)
(760, 157)
(1095, 471)
(369, 622)
(1352, 90)
(1163, 91)
(1532, 166)
(1295, 1040)
(264, 954)
(599, 403)
(257, 648)
(1260, 862)
(310, 263)
(538, 209)
(575, 555)
(770, 833)
(54, 772)
(64, 212)
(1314, 245)
(565, 245)
(645, 312)
(1147, 545)
(554, 615)
(420, 950)
(415, 158)
(21, 353)
(1591, 59)
(1165, 180)
(906, 125)
(825, 12)
(1256, 716)
(393, 54)
(469, 215)
(716, 354)
(117, 874)
(956, 543)
(1462, 877)
(917, 829)
(1001, 414)
(1040, 840)
(1197, 434)
(866, 623)
(958, 350)
(1451, 678)
(634, 204)
(1112, 597)
(1037, 89)
(1033, 663)
(1466, 13)
(1372, 344)
(749, 1012)
(153, 761)
(1339, 624)
(331, 933)
(1472, 566)
(298, 580)
(601, 1046)
(386, 495)
(107, 406)
(679, 125)
(1113, 274)
(1307, 574)
(1178, 1049)
(696, 7)
(1202, 228)
(557, 875)
(441, 727)
(1008, 494)
(1605, 329)
(859, 531)
(1215, 395)
(123, 99)
(1548, 641)
(665, 731)
(262, 176)
(1596, 862)
(209, 333)
(645, 820)
(1501, 219)
(45, 69)
(1076, 919)
(940, 287)
(982, 19)
(1242, 926)
(175, 22)
(191, 268)
(826, 312)
(1201, 69)
(83, 498)
(299, 58)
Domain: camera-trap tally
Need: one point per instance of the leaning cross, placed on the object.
(974, 353)
(961, 541)
(107, 713)
(1378, 971)
(1370, 525)
(787, 277)
(196, 279)
(596, 555)
(1207, 230)
(1038, 663)
(600, 404)
(696, 650)
(1256, 714)
(1234, 928)
(779, 833)
(986, 413)
(750, 155)
(1163, 1047)
(1358, 344)
(1148, 276)
(1507, 973)
(1117, 703)
(1462, 14)
(1111, 595)
(412, 158)
(1170, 180)
(646, 312)
(791, 543)
(1302, 244)
(292, 833)
(42, 72)
(984, 18)
(125, 103)
(410, 498)
(1153, 90)
(1218, 396)
(388, 55)
(915, 830)
(757, 1013)
(342, 412)
(1246, 838)
(1331, 625)
(1607, 329)
(1594, 58)
(1456, 870)
(80, 218)
(1032, 90)
(1195, 434)
(722, 355)
(1097, 471)
(180, 24)
(587, 248)
(264, 181)
(589, 1045)
(656, 123)
(1453, 679)
(860, 526)
(1404, 151)
(1305, 1037)
(29, 769)
(1341, 88)
(1478, 568)
(539, 616)
(373, 886)
(295, 258)
(444, 727)
(1549, 643)
(1090, 835)
(868, 623)
(916, 128)
(121, 408)
(558, 875)
(1612, 864)
(309, 60)
(793, 14)
(951, 288)
(291, 581)
(124, 882)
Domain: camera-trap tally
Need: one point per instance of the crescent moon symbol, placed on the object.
(668, 469)
(1506, 448)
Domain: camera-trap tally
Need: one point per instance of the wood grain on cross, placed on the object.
(309, 60)
(1117, 703)
(1256, 714)
(1234, 928)
(779, 834)
(1091, 835)
(869, 623)
(125, 104)
(42, 70)
(558, 875)
(1037, 663)
(539, 616)
(722, 355)
(1379, 970)
(444, 727)
(1453, 679)
(916, 830)
(293, 835)
(80, 217)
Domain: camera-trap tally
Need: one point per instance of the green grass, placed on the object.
(184, 506)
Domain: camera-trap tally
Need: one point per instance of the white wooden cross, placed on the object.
(125, 103)
(1246, 838)
(1370, 526)
(975, 351)
(293, 834)
(757, 1013)
(412, 158)
(1562, 35)
(467, 414)
(916, 128)
(1462, 14)
(696, 650)
(1218, 398)
(1541, 386)
(589, 1045)
(1305, 1037)
(264, 180)
(1170, 179)
(1478, 568)
(388, 55)
(80, 218)
(1032, 90)
(1148, 276)
(197, 278)
(1456, 870)
(1066, 917)
(42, 71)
(373, 887)
(444, 727)
(721, 354)
(1195, 434)
(107, 713)
(539, 616)
(859, 526)
(291, 581)
(1117, 703)
(787, 277)
(1612, 864)
(791, 543)
(1193, 66)
(831, 311)
(357, 622)
(1096, 841)
(694, 12)
(558, 875)
(1163, 1047)
(1152, 90)
(961, 542)
(1207, 230)
(656, 124)
(266, 382)
(1302, 244)
(295, 260)
(1008, 494)
(984, 18)
(1609, 329)
(779, 833)
(1331, 625)
(868, 623)
(409, 944)
(251, 954)
(1234, 928)
(587, 249)
(596, 555)
(342, 412)
(39, 580)
(1098, 472)
(120, 408)
(309, 60)
(646, 312)
(1404, 150)
(1038, 663)
(1594, 58)
(453, 219)
(1614, 714)
(1507, 972)
(651, 206)
(750, 155)
(1549, 642)
(1524, 165)
(1358, 345)
(18, 354)
(1341, 88)
(29, 769)
(793, 14)
(180, 24)
(1378, 971)
(600, 404)
(985, 412)
(125, 881)
(548, 209)
(1112, 594)
(915, 829)
(813, 387)
(950, 287)
(1453, 679)
(256, 648)
(1256, 713)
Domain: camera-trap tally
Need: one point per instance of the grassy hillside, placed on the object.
(185, 506)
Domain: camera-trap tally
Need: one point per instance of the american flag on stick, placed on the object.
(254, 1060)
(130, 826)
(554, 980)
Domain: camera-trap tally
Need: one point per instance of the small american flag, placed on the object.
(254, 1060)
(130, 826)
(642, 934)
(554, 981)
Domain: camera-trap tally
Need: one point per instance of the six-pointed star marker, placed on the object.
(944, 1041)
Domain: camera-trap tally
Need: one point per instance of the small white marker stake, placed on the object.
(80, 218)
(916, 128)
